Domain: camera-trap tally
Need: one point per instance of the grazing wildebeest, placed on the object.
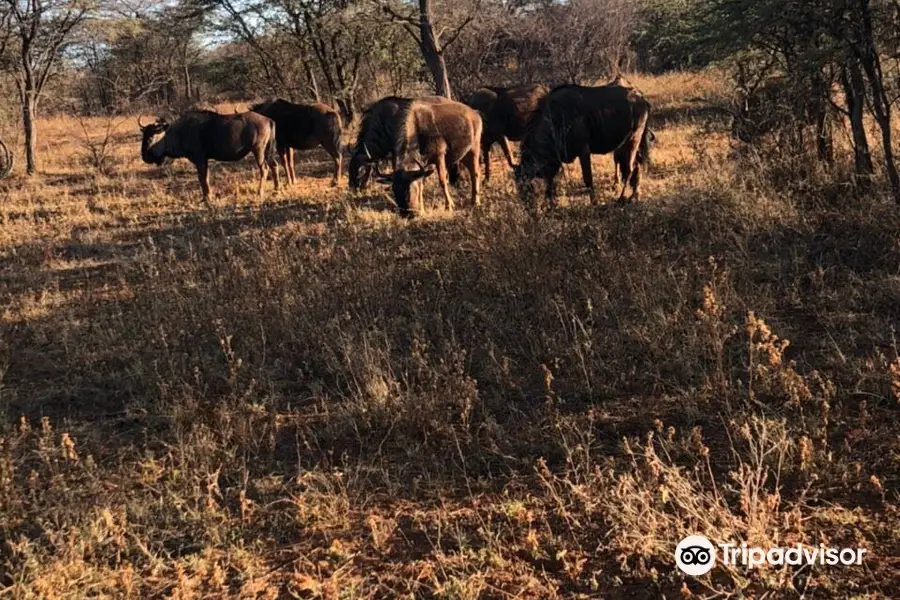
(505, 112)
(303, 127)
(379, 133)
(439, 135)
(575, 122)
(203, 135)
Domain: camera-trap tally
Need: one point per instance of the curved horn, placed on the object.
(385, 179)
(141, 121)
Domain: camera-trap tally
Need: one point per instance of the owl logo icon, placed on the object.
(695, 555)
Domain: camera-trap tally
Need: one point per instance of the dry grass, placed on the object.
(309, 397)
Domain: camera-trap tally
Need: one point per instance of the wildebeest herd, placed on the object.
(425, 135)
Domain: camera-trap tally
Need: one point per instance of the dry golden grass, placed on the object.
(309, 397)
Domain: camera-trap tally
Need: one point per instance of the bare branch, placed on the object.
(456, 33)
(395, 16)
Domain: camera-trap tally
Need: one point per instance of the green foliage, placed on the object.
(669, 35)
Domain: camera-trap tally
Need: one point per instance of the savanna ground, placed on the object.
(309, 397)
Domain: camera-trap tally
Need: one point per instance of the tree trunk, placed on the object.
(824, 142)
(881, 105)
(188, 84)
(311, 79)
(855, 95)
(431, 51)
(28, 113)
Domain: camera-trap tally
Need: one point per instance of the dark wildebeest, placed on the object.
(378, 136)
(303, 127)
(437, 135)
(202, 135)
(575, 122)
(505, 112)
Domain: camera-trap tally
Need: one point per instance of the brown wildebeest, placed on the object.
(575, 122)
(202, 135)
(439, 135)
(505, 112)
(303, 127)
(378, 136)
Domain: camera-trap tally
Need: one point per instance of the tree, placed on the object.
(327, 41)
(421, 28)
(811, 45)
(863, 42)
(139, 53)
(38, 32)
(596, 37)
(666, 37)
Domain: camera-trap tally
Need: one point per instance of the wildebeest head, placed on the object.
(153, 148)
(360, 164)
(530, 167)
(523, 175)
(406, 185)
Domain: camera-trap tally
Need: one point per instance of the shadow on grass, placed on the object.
(604, 297)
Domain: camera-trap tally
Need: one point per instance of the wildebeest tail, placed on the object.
(335, 128)
(647, 140)
(272, 146)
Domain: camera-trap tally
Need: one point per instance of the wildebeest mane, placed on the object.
(406, 139)
(200, 112)
(374, 130)
(262, 105)
(538, 114)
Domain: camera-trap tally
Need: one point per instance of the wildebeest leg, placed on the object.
(203, 175)
(633, 165)
(636, 182)
(550, 178)
(284, 155)
(587, 174)
(418, 200)
(621, 164)
(445, 184)
(453, 175)
(335, 153)
(486, 154)
(507, 151)
(472, 164)
(273, 165)
(263, 165)
(293, 174)
(628, 162)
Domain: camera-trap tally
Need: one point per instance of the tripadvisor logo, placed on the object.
(695, 555)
